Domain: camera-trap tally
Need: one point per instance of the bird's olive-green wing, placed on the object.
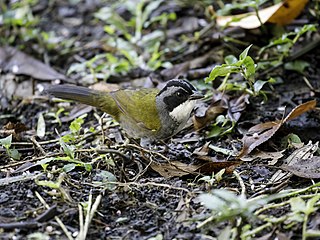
(139, 106)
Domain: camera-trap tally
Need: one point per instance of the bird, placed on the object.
(148, 114)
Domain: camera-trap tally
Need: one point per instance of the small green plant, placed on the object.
(104, 179)
(227, 206)
(67, 144)
(215, 177)
(20, 27)
(75, 127)
(222, 125)
(56, 115)
(15, 17)
(301, 210)
(244, 65)
(280, 48)
(71, 163)
(57, 185)
(133, 44)
(69, 147)
(290, 141)
(12, 152)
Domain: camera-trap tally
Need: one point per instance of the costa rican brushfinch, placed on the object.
(145, 113)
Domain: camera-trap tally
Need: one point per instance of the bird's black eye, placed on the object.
(178, 94)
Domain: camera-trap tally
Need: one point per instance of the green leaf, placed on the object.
(153, 5)
(306, 28)
(298, 66)
(44, 166)
(215, 131)
(310, 206)
(68, 149)
(230, 59)
(103, 179)
(14, 154)
(69, 167)
(249, 67)
(68, 138)
(110, 16)
(88, 167)
(212, 202)
(50, 184)
(76, 124)
(222, 70)
(244, 54)
(6, 142)
(258, 85)
(109, 29)
(92, 129)
(291, 139)
(297, 204)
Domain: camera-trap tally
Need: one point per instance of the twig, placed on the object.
(307, 48)
(150, 184)
(147, 151)
(256, 230)
(20, 178)
(36, 143)
(30, 144)
(209, 219)
(81, 225)
(91, 210)
(58, 220)
(29, 160)
(242, 185)
(142, 171)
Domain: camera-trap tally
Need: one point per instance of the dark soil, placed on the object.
(142, 204)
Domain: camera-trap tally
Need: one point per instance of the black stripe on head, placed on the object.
(184, 84)
(176, 92)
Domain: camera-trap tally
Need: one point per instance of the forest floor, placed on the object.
(68, 171)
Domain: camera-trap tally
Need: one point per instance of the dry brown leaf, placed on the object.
(17, 62)
(204, 114)
(10, 88)
(13, 129)
(173, 169)
(211, 113)
(257, 135)
(282, 13)
(264, 131)
(179, 169)
(274, 156)
(306, 168)
(302, 108)
(302, 153)
(294, 159)
(203, 150)
(220, 102)
(237, 106)
(302, 163)
(17, 127)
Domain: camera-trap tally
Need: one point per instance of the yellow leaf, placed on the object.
(282, 13)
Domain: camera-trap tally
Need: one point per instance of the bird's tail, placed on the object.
(80, 94)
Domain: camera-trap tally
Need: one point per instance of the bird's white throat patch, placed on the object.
(182, 112)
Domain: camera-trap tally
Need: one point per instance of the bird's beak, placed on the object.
(196, 95)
